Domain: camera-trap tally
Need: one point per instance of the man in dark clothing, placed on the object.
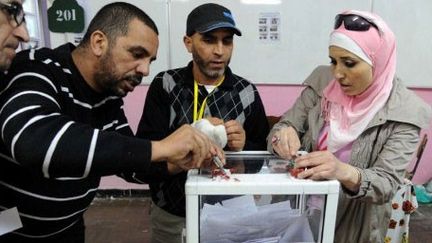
(12, 31)
(208, 89)
(63, 125)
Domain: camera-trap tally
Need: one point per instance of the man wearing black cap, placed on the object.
(205, 88)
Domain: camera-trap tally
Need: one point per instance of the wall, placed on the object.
(277, 99)
(293, 48)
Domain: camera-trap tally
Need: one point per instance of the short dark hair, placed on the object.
(113, 20)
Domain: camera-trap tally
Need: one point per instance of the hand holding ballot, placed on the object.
(186, 148)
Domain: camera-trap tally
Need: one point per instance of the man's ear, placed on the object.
(187, 40)
(98, 43)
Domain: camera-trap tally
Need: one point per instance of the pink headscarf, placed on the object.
(348, 116)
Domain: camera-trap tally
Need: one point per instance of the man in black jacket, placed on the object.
(205, 88)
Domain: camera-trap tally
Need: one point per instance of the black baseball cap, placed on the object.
(208, 17)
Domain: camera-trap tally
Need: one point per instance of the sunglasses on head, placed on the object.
(353, 22)
(15, 10)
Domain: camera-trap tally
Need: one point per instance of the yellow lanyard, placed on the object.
(196, 115)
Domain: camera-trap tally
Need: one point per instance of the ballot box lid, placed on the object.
(255, 172)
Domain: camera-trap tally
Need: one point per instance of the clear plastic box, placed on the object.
(261, 202)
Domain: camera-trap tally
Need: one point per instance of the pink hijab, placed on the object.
(348, 116)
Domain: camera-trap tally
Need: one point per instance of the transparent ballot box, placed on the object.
(260, 202)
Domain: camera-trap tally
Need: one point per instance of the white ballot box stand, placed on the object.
(263, 182)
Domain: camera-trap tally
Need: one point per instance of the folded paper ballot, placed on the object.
(9, 220)
(216, 133)
(240, 220)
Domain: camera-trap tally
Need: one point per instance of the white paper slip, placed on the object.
(9, 220)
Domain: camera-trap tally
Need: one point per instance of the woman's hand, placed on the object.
(323, 165)
(285, 142)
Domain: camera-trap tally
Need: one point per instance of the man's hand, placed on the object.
(173, 169)
(236, 135)
(186, 148)
(214, 120)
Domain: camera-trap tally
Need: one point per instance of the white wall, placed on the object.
(304, 29)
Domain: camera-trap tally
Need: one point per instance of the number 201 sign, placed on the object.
(66, 16)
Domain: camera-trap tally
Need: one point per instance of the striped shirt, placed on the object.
(58, 137)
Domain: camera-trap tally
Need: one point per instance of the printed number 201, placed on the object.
(66, 15)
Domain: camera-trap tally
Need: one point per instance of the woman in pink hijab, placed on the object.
(359, 124)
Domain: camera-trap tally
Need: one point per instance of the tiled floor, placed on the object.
(421, 224)
(126, 220)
